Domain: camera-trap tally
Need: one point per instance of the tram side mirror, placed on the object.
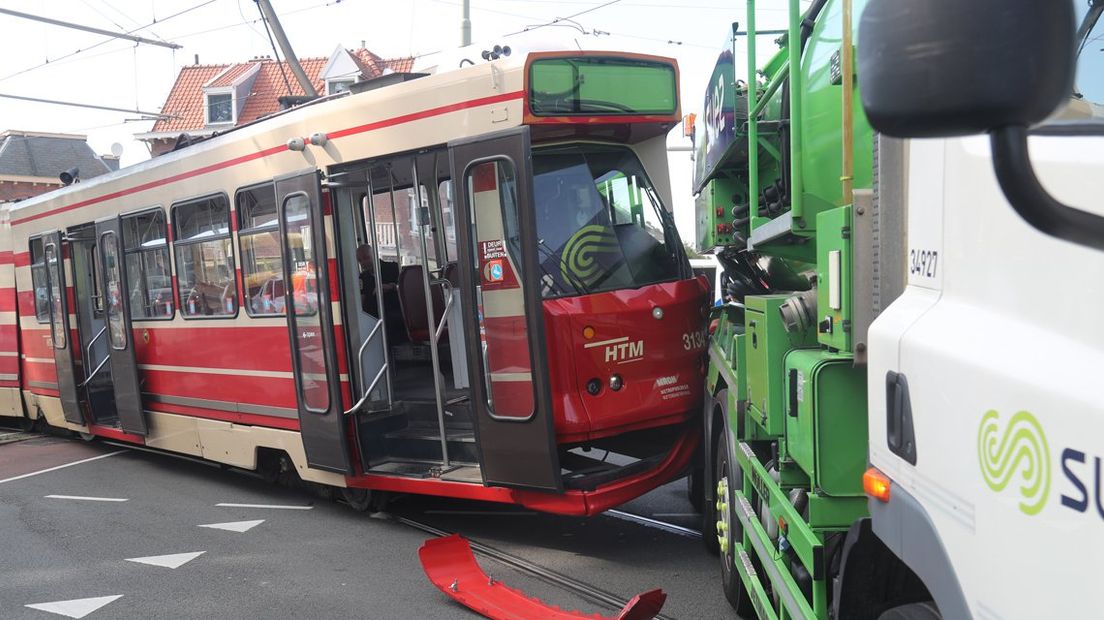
(945, 68)
(940, 68)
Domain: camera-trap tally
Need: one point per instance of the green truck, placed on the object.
(905, 413)
(784, 166)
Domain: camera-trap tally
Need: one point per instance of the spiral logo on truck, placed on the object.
(580, 253)
(1018, 452)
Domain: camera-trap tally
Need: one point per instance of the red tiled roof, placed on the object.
(270, 86)
(400, 65)
(232, 74)
(186, 99)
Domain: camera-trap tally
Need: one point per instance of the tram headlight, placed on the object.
(594, 386)
(616, 382)
(657, 313)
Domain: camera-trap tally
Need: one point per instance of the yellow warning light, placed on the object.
(588, 332)
(876, 484)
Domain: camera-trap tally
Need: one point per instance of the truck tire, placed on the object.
(727, 529)
(709, 509)
(913, 611)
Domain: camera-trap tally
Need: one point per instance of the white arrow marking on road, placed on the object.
(175, 560)
(234, 526)
(76, 608)
(88, 499)
(274, 506)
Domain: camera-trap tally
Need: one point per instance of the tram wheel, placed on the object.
(360, 500)
(26, 424)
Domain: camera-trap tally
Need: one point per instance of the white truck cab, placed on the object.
(986, 416)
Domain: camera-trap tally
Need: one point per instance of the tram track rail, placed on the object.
(585, 590)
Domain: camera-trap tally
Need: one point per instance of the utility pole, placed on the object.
(465, 25)
(117, 35)
(285, 46)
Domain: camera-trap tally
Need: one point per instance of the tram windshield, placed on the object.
(600, 223)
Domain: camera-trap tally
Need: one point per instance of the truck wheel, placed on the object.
(727, 529)
(709, 509)
(913, 611)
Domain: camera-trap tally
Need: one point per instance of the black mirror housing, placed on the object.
(941, 68)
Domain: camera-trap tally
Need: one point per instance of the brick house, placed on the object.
(207, 99)
(30, 162)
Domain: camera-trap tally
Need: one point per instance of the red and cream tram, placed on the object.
(466, 284)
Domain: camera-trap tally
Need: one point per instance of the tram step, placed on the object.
(423, 442)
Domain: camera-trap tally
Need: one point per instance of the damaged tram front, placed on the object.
(467, 284)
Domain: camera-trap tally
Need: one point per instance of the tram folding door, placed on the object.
(310, 322)
(510, 391)
(54, 254)
(120, 335)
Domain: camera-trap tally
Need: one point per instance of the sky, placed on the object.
(51, 62)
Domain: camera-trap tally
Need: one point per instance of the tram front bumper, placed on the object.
(604, 497)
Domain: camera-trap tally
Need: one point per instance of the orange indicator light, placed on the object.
(876, 484)
(588, 332)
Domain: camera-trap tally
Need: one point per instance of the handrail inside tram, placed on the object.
(360, 368)
(88, 356)
(447, 285)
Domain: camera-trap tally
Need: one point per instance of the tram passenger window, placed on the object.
(38, 281)
(506, 359)
(259, 235)
(146, 255)
(205, 258)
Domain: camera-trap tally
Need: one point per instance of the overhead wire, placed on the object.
(105, 41)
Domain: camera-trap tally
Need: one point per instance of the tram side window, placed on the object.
(146, 255)
(259, 235)
(38, 281)
(205, 258)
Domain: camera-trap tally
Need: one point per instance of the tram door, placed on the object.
(54, 253)
(120, 336)
(509, 375)
(310, 322)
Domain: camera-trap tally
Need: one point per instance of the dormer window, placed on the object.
(338, 86)
(220, 108)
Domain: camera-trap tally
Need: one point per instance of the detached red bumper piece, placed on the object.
(450, 565)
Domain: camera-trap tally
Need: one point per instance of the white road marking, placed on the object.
(234, 526)
(273, 506)
(676, 514)
(76, 608)
(88, 499)
(174, 560)
(44, 471)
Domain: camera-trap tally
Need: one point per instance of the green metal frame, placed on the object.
(821, 218)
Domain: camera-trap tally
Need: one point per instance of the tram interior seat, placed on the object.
(412, 297)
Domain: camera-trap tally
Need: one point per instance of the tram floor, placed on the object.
(68, 537)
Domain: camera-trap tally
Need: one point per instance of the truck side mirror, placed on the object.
(943, 68)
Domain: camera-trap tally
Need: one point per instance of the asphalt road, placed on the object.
(312, 557)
